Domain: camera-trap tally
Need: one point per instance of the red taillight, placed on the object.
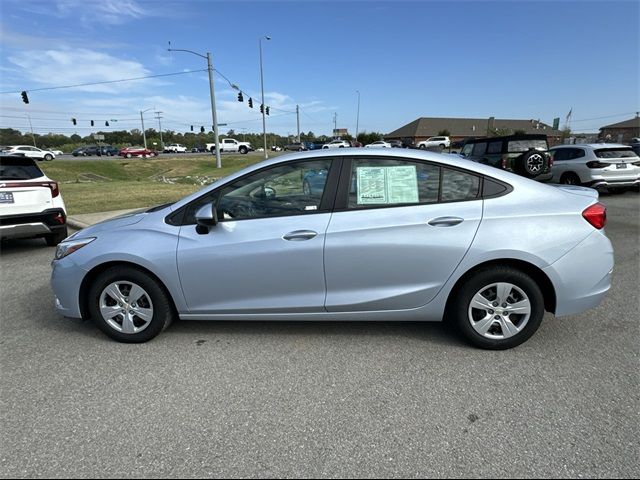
(550, 160)
(597, 164)
(505, 163)
(596, 215)
(53, 186)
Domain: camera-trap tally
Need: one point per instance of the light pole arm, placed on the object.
(183, 50)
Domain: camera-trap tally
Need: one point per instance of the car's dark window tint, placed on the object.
(457, 185)
(385, 181)
(291, 189)
(466, 150)
(615, 153)
(479, 149)
(19, 168)
(494, 147)
(560, 154)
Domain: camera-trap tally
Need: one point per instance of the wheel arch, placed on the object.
(83, 296)
(538, 276)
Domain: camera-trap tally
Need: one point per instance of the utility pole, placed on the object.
(32, 135)
(214, 115)
(160, 127)
(298, 120)
(358, 115)
(264, 124)
(144, 136)
(335, 124)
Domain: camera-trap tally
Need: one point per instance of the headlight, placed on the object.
(68, 247)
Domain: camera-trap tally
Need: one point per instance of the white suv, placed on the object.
(337, 144)
(30, 202)
(32, 152)
(435, 143)
(175, 148)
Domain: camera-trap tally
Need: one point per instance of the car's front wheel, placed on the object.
(129, 305)
(128, 155)
(497, 308)
(48, 157)
(243, 150)
(569, 178)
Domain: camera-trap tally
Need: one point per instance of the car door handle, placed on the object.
(445, 221)
(300, 235)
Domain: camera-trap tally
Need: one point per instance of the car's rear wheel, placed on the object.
(442, 147)
(569, 178)
(54, 239)
(129, 305)
(497, 308)
(422, 147)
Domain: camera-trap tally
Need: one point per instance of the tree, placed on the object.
(366, 138)
(444, 133)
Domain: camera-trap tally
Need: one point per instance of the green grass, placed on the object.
(90, 186)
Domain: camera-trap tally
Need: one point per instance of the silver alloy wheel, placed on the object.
(535, 163)
(499, 311)
(126, 307)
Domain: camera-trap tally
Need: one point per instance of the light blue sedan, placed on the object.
(346, 235)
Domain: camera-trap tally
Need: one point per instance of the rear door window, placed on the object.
(494, 147)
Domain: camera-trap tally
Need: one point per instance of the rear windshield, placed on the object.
(18, 168)
(615, 153)
(524, 145)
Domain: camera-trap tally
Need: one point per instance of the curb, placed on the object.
(76, 224)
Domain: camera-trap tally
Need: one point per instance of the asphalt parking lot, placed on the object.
(319, 399)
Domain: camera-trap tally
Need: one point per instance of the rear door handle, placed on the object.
(445, 221)
(300, 235)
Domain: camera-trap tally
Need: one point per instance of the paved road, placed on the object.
(319, 399)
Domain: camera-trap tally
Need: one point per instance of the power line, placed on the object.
(106, 81)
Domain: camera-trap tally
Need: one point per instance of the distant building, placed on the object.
(340, 132)
(461, 128)
(621, 132)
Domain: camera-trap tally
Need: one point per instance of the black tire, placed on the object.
(163, 310)
(54, 239)
(531, 164)
(422, 147)
(442, 147)
(569, 178)
(128, 155)
(48, 157)
(460, 300)
(243, 150)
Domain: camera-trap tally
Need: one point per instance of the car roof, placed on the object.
(532, 136)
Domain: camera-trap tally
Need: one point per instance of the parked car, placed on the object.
(129, 152)
(175, 148)
(199, 149)
(57, 152)
(30, 202)
(635, 145)
(33, 152)
(434, 143)
(404, 235)
(379, 144)
(296, 147)
(90, 150)
(526, 155)
(315, 145)
(600, 165)
(336, 144)
(396, 143)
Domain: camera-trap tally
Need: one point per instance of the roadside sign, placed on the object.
(98, 136)
(556, 123)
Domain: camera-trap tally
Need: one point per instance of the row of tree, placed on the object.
(123, 138)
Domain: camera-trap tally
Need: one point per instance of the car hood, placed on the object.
(127, 219)
(575, 190)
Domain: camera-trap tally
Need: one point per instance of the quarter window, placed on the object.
(457, 186)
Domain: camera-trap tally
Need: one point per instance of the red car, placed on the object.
(129, 152)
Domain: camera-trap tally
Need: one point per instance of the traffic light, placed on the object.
(25, 98)
(261, 108)
(267, 111)
(240, 97)
(201, 129)
(106, 124)
(192, 128)
(250, 103)
(73, 120)
(92, 123)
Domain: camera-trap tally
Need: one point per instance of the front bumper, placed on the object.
(66, 280)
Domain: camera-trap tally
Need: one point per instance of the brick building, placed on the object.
(621, 132)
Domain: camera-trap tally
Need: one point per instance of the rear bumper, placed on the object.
(583, 276)
(603, 183)
(33, 224)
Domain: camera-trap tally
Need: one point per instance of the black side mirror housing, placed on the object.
(206, 218)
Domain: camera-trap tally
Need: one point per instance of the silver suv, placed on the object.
(601, 165)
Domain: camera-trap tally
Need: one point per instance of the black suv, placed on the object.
(526, 155)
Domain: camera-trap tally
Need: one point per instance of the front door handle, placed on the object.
(445, 221)
(300, 235)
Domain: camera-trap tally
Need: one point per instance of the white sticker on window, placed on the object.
(311, 207)
(387, 185)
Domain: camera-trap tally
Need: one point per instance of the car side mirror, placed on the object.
(206, 217)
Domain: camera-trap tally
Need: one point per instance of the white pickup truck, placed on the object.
(231, 145)
(175, 148)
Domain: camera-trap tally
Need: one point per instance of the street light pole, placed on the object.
(160, 127)
(264, 122)
(144, 135)
(31, 127)
(214, 115)
(358, 115)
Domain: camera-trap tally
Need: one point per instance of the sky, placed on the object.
(506, 59)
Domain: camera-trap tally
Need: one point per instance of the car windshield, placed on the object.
(524, 145)
(18, 168)
(615, 153)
